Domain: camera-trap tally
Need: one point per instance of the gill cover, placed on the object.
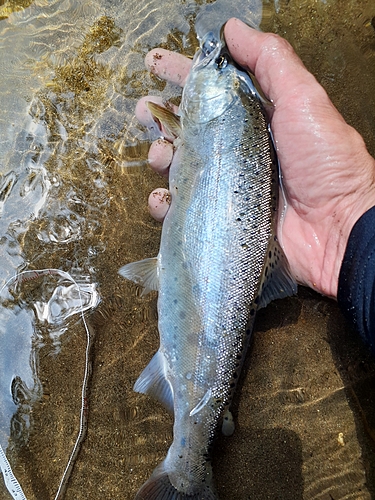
(210, 88)
(215, 82)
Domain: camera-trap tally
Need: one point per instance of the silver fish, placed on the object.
(219, 261)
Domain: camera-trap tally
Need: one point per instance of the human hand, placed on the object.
(328, 174)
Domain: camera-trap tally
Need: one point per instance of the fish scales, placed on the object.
(217, 256)
(221, 225)
(223, 208)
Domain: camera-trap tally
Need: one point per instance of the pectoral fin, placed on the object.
(143, 272)
(169, 120)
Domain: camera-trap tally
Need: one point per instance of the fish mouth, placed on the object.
(210, 48)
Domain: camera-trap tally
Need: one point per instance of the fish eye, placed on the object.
(209, 44)
(221, 62)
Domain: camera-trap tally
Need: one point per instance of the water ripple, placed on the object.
(6, 185)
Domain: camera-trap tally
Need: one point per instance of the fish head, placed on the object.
(212, 82)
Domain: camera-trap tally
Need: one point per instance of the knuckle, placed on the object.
(275, 44)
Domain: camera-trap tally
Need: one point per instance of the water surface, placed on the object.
(73, 194)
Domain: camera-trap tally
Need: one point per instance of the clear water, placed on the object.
(73, 191)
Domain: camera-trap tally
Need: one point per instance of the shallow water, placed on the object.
(73, 190)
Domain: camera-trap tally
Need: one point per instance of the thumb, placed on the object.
(278, 69)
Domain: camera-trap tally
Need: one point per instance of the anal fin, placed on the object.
(153, 381)
(143, 272)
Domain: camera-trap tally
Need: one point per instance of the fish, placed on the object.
(219, 262)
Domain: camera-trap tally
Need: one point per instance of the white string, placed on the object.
(11, 483)
(10, 480)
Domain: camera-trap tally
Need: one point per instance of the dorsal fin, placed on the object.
(278, 281)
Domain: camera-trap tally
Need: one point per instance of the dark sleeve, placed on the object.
(356, 287)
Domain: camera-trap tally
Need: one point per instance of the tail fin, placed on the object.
(159, 487)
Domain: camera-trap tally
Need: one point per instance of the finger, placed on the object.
(278, 69)
(168, 65)
(158, 203)
(144, 115)
(160, 156)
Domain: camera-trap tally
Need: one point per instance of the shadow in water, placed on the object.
(356, 365)
(258, 462)
(280, 313)
(253, 449)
